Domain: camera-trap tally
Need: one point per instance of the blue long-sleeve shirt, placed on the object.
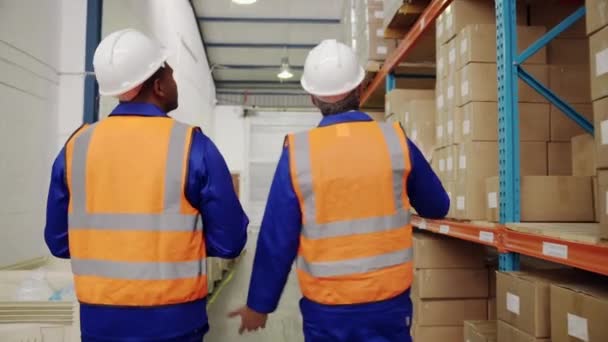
(281, 226)
(209, 188)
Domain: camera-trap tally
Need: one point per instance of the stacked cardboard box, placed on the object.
(440, 307)
(579, 311)
(415, 110)
(367, 32)
(597, 30)
(480, 331)
(524, 306)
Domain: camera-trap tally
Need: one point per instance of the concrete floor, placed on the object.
(283, 325)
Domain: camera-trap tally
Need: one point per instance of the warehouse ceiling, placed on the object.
(245, 43)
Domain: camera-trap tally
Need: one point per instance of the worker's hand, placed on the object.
(250, 320)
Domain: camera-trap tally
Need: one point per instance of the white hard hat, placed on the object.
(331, 69)
(124, 60)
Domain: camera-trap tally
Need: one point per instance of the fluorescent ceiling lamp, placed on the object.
(285, 70)
(244, 2)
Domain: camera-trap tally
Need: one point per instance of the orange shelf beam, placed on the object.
(486, 235)
(433, 10)
(586, 256)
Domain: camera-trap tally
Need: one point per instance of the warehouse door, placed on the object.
(265, 134)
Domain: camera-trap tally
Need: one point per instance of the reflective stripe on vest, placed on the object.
(169, 220)
(313, 230)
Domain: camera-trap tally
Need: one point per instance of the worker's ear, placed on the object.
(158, 88)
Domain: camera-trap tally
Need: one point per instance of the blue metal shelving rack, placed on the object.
(510, 69)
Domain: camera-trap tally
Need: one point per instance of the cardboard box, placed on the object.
(480, 331)
(435, 334)
(450, 188)
(420, 117)
(439, 283)
(508, 333)
(523, 300)
(596, 15)
(380, 48)
(450, 92)
(448, 312)
(571, 82)
(476, 162)
(560, 158)
(448, 58)
(596, 199)
(547, 199)
(461, 13)
(451, 163)
(441, 139)
(439, 31)
(477, 44)
(583, 155)
(533, 158)
(478, 82)
(492, 283)
(563, 128)
(568, 51)
(598, 53)
(480, 121)
(600, 111)
(492, 308)
(436, 251)
(602, 195)
(549, 15)
(398, 100)
(456, 137)
(578, 312)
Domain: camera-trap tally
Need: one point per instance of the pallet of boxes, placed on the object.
(440, 307)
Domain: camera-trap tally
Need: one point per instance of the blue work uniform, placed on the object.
(209, 188)
(278, 244)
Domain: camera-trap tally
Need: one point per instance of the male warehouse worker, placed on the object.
(125, 198)
(340, 206)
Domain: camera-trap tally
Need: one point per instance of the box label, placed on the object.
(578, 327)
(513, 303)
(382, 50)
(414, 135)
(440, 64)
(439, 27)
(450, 127)
(450, 92)
(380, 33)
(422, 224)
(441, 165)
(450, 163)
(449, 19)
(466, 127)
(439, 131)
(407, 117)
(555, 250)
(462, 163)
(486, 236)
(464, 88)
(460, 203)
(452, 56)
(601, 62)
(444, 229)
(604, 132)
(492, 200)
(379, 14)
(440, 101)
(463, 46)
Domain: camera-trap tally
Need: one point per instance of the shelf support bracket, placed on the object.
(555, 100)
(552, 34)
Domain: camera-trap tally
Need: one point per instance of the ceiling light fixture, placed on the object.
(285, 73)
(244, 2)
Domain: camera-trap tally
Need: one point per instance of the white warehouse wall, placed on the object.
(174, 25)
(32, 48)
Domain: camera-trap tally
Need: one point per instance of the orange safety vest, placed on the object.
(133, 234)
(356, 241)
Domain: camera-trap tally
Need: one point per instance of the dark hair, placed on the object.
(350, 102)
